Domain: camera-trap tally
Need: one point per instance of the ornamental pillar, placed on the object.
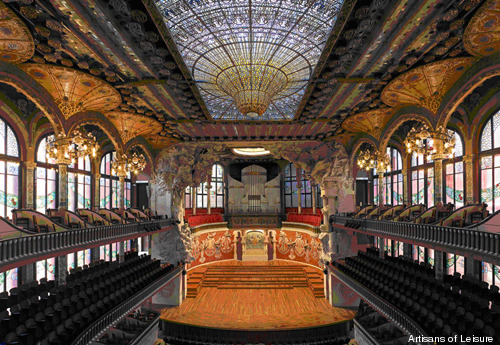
(121, 192)
(469, 162)
(209, 190)
(63, 186)
(96, 182)
(404, 171)
(314, 198)
(381, 196)
(299, 189)
(193, 197)
(30, 185)
(438, 178)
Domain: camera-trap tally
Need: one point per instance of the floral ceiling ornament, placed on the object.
(425, 85)
(16, 42)
(131, 125)
(482, 35)
(250, 59)
(371, 122)
(74, 91)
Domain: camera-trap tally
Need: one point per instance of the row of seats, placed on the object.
(204, 219)
(379, 327)
(311, 219)
(58, 315)
(437, 307)
(194, 341)
(188, 212)
(303, 210)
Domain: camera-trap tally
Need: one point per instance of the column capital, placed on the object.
(468, 158)
(30, 165)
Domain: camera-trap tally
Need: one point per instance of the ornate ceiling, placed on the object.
(352, 64)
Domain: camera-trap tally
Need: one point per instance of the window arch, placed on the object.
(490, 163)
(46, 180)
(392, 180)
(454, 174)
(9, 170)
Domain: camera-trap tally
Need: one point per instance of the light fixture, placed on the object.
(374, 160)
(251, 151)
(123, 165)
(250, 59)
(429, 143)
(66, 149)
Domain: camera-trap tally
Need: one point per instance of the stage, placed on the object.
(256, 296)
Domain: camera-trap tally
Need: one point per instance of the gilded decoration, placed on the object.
(482, 35)
(371, 122)
(425, 85)
(159, 142)
(16, 42)
(72, 90)
(131, 126)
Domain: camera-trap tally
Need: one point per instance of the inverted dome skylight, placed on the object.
(251, 151)
(251, 59)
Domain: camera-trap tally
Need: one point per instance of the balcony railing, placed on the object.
(15, 251)
(398, 317)
(362, 335)
(123, 309)
(475, 242)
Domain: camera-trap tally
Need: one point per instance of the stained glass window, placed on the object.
(221, 40)
(490, 163)
(291, 190)
(114, 252)
(217, 190)
(45, 179)
(109, 185)
(71, 261)
(393, 179)
(79, 184)
(8, 279)
(9, 170)
(422, 180)
(188, 198)
(46, 269)
(454, 174)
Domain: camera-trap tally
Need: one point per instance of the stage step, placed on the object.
(255, 277)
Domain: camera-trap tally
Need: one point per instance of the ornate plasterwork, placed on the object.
(74, 91)
(371, 122)
(16, 42)
(159, 142)
(482, 35)
(131, 126)
(425, 85)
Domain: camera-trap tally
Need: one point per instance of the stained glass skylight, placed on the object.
(251, 59)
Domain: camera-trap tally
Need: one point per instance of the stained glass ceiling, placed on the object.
(251, 59)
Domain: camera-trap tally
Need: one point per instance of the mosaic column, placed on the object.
(209, 188)
(404, 172)
(438, 178)
(96, 182)
(30, 185)
(121, 192)
(62, 269)
(381, 196)
(193, 196)
(314, 199)
(469, 179)
(299, 190)
(63, 186)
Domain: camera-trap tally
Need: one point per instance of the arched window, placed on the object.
(9, 170)
(217, 190)
(454, 174)
(201, 193)
(291, 191)
(109, 184)
(422, 180)
(393, 180)
(46, 178)
(79, 184)
(490, 163)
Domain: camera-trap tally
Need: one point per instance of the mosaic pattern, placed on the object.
(425, 85)
(482, 35)
(72, 90)
(16, 42)
(371, 122)
(217, 38)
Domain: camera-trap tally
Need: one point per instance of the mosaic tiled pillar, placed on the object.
(121, 192)
(63, 186)
(314, 199)
(438, 180)
(381, 196)
(209, 188)
(404, 172)
(96, 182)
(469, 179)
(30, 185)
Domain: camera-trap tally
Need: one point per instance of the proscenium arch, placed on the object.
(403, 115)
(101, 121)
(23, 83)
(485, 69)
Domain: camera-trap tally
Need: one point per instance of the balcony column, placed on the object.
(193, 195)
(381, 196)
(62, 269)
(209, 188)
(314, 198)
(30, 185)
(63, 186)
(96, 180)
(439, 264)
(438, 178)
(404, 172)
(469, 163)
(299, 190)
(121, 193)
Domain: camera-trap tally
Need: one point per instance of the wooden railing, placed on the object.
(469, 240)
(389, 311)
(15, 251)
(104, 322)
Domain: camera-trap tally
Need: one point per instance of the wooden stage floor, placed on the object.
(256, 308)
